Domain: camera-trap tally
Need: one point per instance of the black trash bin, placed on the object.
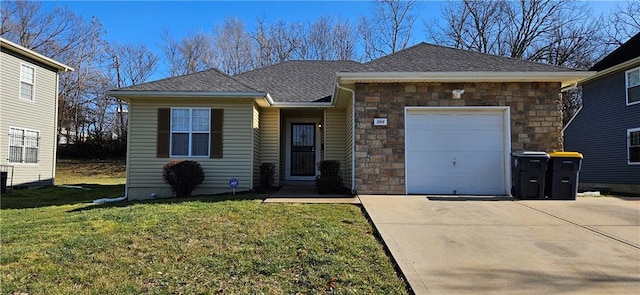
(3, 182)
(528, 170)
(562, 175)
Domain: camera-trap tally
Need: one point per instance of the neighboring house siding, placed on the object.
(599, 132)
(145, 169)
(348, 144)
(334, 130)
(536, 122)
(255, 125)
(270, 139)
(39, 115)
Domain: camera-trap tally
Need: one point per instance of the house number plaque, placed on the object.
(379, 121)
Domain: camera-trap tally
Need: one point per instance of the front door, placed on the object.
(303, 149)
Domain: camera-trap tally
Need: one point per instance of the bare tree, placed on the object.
(389, 28)
(60, 34)
(329, 39)
(559, 32)
(345, 40)
(278, 42)
(319, 41)
(132, 65)
(623, 22)
(233, 46)
(472, 25)
(193, 53)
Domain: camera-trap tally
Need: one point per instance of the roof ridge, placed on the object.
(243, 83)
(466, 51)
(395, 53)
(297, 60)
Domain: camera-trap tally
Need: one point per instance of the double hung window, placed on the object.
(633, 145)
(23, 145)
(27, 80)
(633, 86)
(190, 132)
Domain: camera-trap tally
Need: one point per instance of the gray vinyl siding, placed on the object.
(145, 169)
(599, 131)
(39, 115)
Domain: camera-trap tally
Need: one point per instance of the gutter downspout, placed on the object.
(128, 153)
(576, 113)
(353, 136)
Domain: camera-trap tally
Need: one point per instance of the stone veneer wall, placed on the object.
(536, 122)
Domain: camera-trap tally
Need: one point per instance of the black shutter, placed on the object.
(217, 119)
(164, 131)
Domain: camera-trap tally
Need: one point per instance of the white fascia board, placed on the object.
(34, 55)
(302, 104)
(566, 78)
(621, 66)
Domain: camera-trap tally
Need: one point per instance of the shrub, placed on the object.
(267, 175)
(330, 181)
(183, 176)
(329, 168)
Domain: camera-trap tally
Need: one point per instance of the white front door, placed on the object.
(456, 151)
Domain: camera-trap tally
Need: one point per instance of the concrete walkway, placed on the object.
(308, 194)
(478, 246)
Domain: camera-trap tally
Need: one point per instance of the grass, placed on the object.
(195, 246)
(205, 245)
(106, 172)
(56, 196)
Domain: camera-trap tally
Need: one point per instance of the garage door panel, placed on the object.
(455, 151)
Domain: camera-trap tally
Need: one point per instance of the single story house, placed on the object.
(424, 120)
(607, 127)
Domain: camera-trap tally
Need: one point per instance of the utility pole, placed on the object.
(120, 105)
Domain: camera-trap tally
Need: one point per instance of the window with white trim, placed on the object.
(27, 81)
(23, 145)
(190, 132)
(633, 86)
(633, 145)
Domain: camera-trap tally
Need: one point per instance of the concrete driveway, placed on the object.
(449, 245)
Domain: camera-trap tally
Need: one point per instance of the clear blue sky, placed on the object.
(142, 22)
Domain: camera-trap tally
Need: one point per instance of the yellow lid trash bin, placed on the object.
(563, 175)
(565, 155)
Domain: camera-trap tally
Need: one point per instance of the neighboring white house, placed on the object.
(28, 114)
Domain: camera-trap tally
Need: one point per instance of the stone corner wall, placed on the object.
(535, 110)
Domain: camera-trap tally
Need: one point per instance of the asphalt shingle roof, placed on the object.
(211, 80)
(298, 80)
(425, 57)
(313, 80)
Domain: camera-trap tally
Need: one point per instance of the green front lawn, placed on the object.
(201, 245)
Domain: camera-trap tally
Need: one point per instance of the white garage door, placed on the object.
(456, 151)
